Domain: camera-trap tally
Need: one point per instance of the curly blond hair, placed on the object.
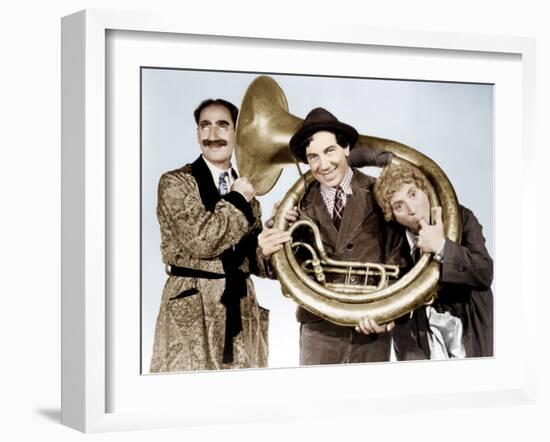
(390, 181)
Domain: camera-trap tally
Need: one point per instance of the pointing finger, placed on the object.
(422, 223)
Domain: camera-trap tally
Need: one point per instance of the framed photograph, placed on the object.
(130, 85)
(453, 122)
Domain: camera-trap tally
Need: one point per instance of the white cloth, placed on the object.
(445, 336)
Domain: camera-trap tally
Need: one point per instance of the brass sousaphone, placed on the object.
(264, 129)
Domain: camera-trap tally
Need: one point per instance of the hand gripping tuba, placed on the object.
(264, 129)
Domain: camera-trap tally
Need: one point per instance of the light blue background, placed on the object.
(452, 123)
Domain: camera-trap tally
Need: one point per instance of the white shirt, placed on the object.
(216, 172)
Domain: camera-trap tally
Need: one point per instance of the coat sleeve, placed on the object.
(468, 263)
(258, 265)
(203, 234)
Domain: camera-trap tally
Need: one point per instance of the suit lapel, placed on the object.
(358, 209)
(324, 219)
(207, 189)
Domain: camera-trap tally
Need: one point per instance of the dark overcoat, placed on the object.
(465, 292)
(363, 236)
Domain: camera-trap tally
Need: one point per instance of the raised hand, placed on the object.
(363, 157)
(431, 238)
(243, 186)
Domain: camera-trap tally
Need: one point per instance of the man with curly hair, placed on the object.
(209, 220)
(460, 322)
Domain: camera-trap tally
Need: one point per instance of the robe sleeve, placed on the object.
(203, 234)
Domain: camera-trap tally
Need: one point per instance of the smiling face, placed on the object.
(409, 205)
(216, 135)
(327, 159)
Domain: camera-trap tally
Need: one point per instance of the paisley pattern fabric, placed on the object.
(190, 327)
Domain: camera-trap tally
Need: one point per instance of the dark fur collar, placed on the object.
(207, 189)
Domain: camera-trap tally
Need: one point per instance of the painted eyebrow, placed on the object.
(216, 122)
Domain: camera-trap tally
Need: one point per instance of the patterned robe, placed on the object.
(202, 231)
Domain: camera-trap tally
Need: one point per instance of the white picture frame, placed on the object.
(86, 314)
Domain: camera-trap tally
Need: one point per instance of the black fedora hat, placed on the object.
(317, 120)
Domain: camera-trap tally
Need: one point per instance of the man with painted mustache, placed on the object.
(209, 220)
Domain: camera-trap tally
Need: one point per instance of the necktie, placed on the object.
(223, 183)
(338, 207)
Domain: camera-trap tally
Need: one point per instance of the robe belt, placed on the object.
(235, 289)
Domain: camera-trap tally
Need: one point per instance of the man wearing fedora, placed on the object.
(341, 202)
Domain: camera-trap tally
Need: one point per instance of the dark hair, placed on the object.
(341, 138)
(233, 110)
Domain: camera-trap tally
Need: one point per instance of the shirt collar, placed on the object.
(345, 184)
(216, 171)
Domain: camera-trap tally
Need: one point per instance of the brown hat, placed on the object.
(317, 120)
